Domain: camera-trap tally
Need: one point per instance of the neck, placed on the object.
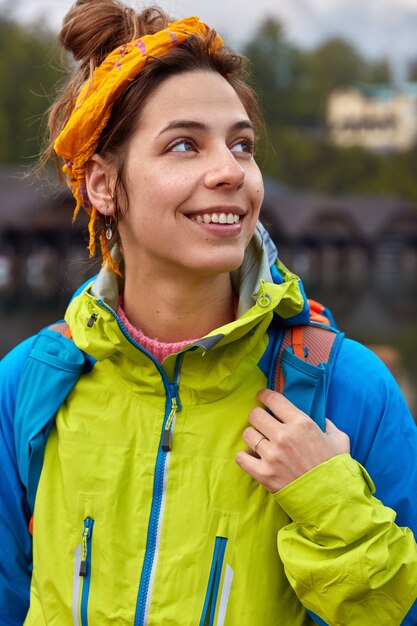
(178, 310)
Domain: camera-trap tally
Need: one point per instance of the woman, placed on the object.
(142, 514)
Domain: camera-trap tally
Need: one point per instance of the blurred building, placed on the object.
(323, 238)
(37, 241)
(344, 241)
(382, 118)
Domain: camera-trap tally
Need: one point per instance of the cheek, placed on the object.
(163, 190)
(259, 200)
(258, 190)
(255, 186)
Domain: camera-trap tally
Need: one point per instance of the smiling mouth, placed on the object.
(215, 218)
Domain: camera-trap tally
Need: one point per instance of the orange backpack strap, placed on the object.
(311, 343)
(61, 328)
(319, 313)
(303, 365)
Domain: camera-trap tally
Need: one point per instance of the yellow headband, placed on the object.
(79, 138)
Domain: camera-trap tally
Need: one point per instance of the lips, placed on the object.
(215, 218)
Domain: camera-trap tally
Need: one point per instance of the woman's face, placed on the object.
(194, 189)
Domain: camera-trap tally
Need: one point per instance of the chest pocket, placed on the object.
(86, 557)
(220, 571)
(83, 549)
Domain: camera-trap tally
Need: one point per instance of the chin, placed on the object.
(221, 264)
(203, 260)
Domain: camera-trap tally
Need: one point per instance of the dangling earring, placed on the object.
(109, 230)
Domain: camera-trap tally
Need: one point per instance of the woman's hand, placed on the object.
(287, 444)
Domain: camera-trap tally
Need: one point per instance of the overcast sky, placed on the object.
(377, 27)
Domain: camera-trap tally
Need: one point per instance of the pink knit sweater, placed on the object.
(159, 349)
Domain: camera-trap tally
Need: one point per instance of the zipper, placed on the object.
(158, 501)
(167, 432)
(172, 407)
(85, 567)
(210, 601)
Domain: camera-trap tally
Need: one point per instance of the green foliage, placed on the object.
(332, 64)
(378, 72)
(412, 70)
(276, 69)
(294, 85)
(301, 161)
(27, 76)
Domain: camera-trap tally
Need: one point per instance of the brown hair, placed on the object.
(94, 28)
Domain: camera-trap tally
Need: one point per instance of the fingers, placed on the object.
(254, 440)
(263, 422)
(340, 438)
(284, 410)
(249, 463)
(284, 446)
(330, 428)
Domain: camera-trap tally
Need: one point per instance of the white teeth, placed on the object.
(216, 218)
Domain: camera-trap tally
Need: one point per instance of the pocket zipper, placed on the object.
(85, 567)
(209, 608)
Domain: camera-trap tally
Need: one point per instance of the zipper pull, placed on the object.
(263, 299)
(167, 434)
(92, 320)
(84, 546)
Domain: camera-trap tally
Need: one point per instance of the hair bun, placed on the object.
(93, 28)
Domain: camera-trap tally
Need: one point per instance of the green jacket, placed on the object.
(183, 536)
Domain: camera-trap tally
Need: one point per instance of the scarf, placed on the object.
(80, 136)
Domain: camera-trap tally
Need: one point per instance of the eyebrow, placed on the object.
(194, 125)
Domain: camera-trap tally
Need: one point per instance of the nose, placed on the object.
(224, 170)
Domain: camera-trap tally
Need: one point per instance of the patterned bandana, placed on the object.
(79, 138)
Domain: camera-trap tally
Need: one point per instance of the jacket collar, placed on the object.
(264, 286)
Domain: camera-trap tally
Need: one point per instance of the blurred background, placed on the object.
(338, 85)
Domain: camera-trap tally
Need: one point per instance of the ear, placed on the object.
(100, 179)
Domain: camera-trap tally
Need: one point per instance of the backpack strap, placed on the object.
(61, 328)
(321, 314)
(52, 367)
(302, 366)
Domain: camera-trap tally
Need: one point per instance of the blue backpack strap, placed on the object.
(300, 361)
(302, 365)
(52, 367)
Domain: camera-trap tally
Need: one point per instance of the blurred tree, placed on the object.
(332, 64)
(378, 71)
(27, 77)
(276, 68)
(294, 85)
(412, 70)
(294, 158)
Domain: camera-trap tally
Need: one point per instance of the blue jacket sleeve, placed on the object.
(365, 402)
(15, 540)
